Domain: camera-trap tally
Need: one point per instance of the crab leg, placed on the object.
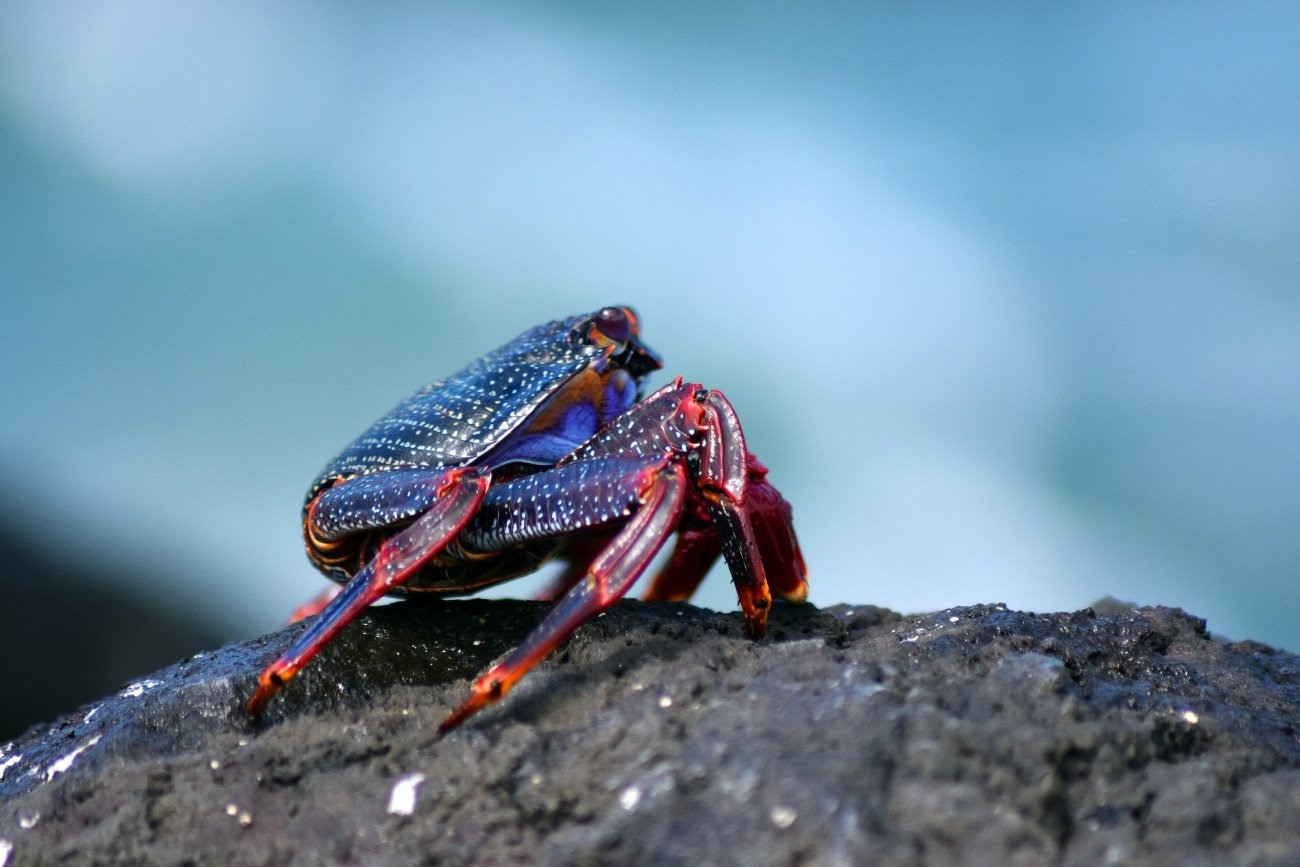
(316, 604)
(729, 497)
(661, 492)
(724, 482)
(773, 522)
(695, 552)
(698, 547)
(457, 495)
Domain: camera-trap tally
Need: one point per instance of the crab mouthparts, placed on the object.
(639, 359)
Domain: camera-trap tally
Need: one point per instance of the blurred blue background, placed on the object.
(1007, 297)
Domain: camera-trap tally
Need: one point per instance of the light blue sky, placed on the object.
(1006, 298)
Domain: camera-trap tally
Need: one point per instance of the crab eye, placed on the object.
(614, 324)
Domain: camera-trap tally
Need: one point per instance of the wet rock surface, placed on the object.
(659, 735)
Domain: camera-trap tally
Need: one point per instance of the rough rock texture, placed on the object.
(659, 735)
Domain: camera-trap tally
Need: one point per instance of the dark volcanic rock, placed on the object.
(659, 735)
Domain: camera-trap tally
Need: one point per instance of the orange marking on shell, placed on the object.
(588, 387)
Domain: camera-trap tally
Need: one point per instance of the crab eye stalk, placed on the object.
(615, 324)
(617, 330)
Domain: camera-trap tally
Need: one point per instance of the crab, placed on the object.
(543, 448)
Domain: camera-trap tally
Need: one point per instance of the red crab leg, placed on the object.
(683, 417)
(458, 495)
(724, 482)
(773, 522)
(698, 548)
(694, 554)
(578, 553)
(316, 604)
(662, 493)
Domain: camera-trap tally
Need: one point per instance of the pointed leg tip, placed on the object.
(269, 684)
(798, 595)
(257, 703)
(453, 720)
(755, 619)
(473, 705)
(487, 690)
(754, 609)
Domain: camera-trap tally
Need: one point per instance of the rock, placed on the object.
(659, 735)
